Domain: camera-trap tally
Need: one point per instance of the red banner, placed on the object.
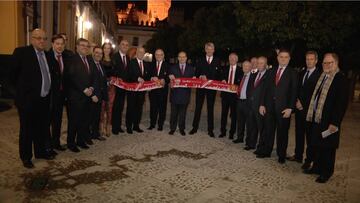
(176, 83)
(207, 84)
(137, 87)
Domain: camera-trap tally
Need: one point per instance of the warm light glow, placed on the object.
(113, 46)
(107, 40)
(88, 25)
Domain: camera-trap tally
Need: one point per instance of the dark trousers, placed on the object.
(257, 121)
(275, 122)
(302, 131)
(95, 119)
(34, 128)
(134, 108)
(243, 112)
(158, 104)
(58, 103)
(210, 99)
(325, 160)
(117, 110)
(178, 115)
(228, 103)
(79, 122)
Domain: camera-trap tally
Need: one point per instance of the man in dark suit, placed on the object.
(243, 104)
(179, 97)
(79, 78)
(306, 85)
(138, 72)
(231, 75)
(32, 77)
(276, 105)
(325, 113)
(58, 97)
(208, 68)
(158, 97)
(120, 62)
(100, 92)
(258, 86)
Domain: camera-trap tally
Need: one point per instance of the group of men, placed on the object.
(259, 111)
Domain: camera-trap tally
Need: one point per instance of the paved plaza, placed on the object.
(156, 167)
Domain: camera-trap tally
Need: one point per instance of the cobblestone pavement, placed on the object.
(157, 167)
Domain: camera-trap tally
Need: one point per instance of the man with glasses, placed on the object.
(324, 116)
(32, 77)
(80, 80)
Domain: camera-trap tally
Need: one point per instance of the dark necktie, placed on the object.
(99, 68)
(124, 61)
(306, 77)
(85, 63)
(59, 59)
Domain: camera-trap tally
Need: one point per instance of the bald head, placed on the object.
(38, 39)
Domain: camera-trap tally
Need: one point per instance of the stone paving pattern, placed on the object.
(157, 167)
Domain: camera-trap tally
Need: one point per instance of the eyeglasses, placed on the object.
(328, 63)
(83, 45)
(40, 38)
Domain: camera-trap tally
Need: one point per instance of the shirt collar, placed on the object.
(121, 54)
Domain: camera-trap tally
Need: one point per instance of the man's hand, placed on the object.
(171, 77)
(332, 128)
(154, 79)
(286, 113)
(140, 80)
(162, 82)
(299, 105)
(262, 110)
(94, 99)
(203, 77)
(88, 92)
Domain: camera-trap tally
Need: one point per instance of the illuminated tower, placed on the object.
(158, 9)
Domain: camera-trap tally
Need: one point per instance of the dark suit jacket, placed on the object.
(284, 94)
(57, 78)
(258, 90)
(306, 90)
(249, 86)
(181, 95)
(237, 79)
(77, 79)
(163, 74)
(27, 76)
(333, 112)
(100, 81)
(134, 71)
(212, 70)
(119, 70)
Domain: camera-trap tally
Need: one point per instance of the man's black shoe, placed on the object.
(83, 146)
(28, 164)
(60, 148)
(211, 134)
(182, 132)
(138, 130)
(101, 138)
(193, 131)
(73, 149)
(306, 165)
(160, 128)
(238, 141)
(222, 135)
(171, 132)
(151, 127)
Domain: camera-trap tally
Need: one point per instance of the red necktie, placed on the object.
(258, 80)
(241, 84)
(208, 61)
(86, 64)
(278, 74)
(58, 56)
(141, 68)
(231, 76)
